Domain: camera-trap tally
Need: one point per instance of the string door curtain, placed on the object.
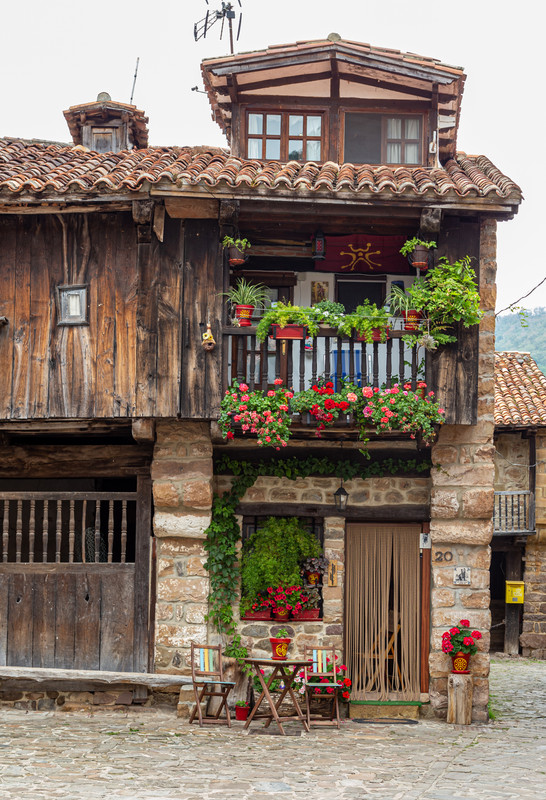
(383, 611)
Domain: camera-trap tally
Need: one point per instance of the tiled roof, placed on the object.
(520, 390)
(38, 169)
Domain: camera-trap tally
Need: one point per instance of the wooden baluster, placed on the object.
(327, 369)
(290, 343)
(339, 364)
(278, 357)
(302, 363)
(71, 533)
(19, 531)
(110, 529)
(83, 529)
(351, 360)
(252, 376)
(31, 530)
(401, 362)
(5, 532)
(240, 359)
(58, 531)
(505, 512)
(414, 366)
(314, 360)
(123, 530)
(45, 531)
(363, 366)
(97, 531)
(375, 364)
(389, 363)
(264, 356)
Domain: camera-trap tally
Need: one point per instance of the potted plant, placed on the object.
(314, 568)
(402, 304)
(459, 643)
(245, 297)
(280, 644)
(242, 710)
(400, 409)
(323, 403)
(284, 600)
(258, 609)
(339, 671)
(368, 320)
(417, 252)
(265, 413)
(288, 322)
(236, 250)
(310, 605)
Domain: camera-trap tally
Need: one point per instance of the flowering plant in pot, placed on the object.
(323, 403)
(284, 315)
(310, 605)
(245, 297)
(459, 643)
(400, 409)
(314, 568)
(284, 600)
(265, 413)
(236, 250)
(255, 609)
(242, 710)
(338, 671)
(280, 644)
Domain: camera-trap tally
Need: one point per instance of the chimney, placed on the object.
(106, 126)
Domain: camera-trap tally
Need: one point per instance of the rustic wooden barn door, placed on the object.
(383, 601)
(74, 576)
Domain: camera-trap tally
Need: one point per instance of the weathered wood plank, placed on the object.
(146, 324)
(106, 677)
(4, 589)
(21, 343)
(86, 461)
(459, 699)
(142, 573)
(43, 635)
(8, 237)
(117, 621)
(192, 208)
(20, 620)
(401, 513)
(87, 621)
(167, 258)
(65, 613)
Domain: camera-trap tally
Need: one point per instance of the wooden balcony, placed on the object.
(514, 514)
(301, 363)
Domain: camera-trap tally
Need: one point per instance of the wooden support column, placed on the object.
(512, 610)
(459, 699)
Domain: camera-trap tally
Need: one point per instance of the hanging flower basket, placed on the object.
(420, 257)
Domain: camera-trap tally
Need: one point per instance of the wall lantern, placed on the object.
(318, 246)
(341, 498)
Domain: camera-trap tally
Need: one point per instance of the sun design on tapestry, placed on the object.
(358, 255)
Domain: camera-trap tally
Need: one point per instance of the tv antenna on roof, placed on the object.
(201, 28)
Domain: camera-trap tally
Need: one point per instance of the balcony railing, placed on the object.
(514, 513)
(301, 363)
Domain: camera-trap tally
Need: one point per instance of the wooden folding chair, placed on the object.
(321, 658)
(208, 681)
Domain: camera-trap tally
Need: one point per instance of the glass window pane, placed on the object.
(412, 129)
(255, 123)
(313, 151)
(412, 154)
(314, 126)
(363, 138)
(74, 304)
(273, 124)
(273, 148)
(295, 126)
(254, 148)
(394, 152)
(295, 150)
(394, 128)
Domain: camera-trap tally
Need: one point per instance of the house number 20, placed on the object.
(447, 555)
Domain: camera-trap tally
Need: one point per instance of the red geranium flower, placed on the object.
(476, 635)
(464, 623)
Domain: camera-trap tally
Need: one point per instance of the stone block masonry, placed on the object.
(533, 636)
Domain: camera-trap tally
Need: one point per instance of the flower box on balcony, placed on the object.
(289, 332)
(378, 335)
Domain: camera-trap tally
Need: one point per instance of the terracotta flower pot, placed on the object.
(279, 648)
(281, 615)
(243, 315)
(241, 712)
(261, 614)
(307, 614)
(411, 319)
(459, 662)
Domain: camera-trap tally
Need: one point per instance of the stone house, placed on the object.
(111, 271)
(518, 545)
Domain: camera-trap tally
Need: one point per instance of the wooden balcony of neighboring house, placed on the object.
(514, 514)
(301, 363)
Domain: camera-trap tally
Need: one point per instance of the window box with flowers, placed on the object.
(401, 409)
(265, 413)
(310, 605)
(324, 404)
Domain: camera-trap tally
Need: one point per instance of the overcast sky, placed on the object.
(59, 53)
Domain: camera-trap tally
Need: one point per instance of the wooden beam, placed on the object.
(287, 80)
(91, 676)
(143, 430)
(192, 207)
(400, 513)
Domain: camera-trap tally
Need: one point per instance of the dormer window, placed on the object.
(382, 139)
(284, 136)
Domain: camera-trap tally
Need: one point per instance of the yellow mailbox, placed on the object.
(514, 591)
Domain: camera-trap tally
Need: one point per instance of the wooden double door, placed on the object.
(74, 578)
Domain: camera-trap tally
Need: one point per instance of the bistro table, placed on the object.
(284, 670)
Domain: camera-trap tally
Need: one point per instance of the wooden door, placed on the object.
(74, 579)
(383, 611)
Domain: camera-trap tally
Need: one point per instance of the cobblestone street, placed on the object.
(152, 755)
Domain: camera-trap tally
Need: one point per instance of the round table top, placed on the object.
(273, 662)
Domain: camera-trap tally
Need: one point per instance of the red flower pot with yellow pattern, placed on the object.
(279, 645)
(459, 663)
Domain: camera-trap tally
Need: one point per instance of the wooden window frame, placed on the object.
(62, 313)
(284, 135)
(386, 115)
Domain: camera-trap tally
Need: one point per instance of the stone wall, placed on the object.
(533, 637)
(461, 511)
(511, 463)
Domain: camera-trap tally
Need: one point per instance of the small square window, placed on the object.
(72, 305)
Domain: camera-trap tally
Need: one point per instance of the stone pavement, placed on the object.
(154, 756)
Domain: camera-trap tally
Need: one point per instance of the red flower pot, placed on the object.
(307, 614)
(279, 648)
(281, 615)
(236, 257)
(243, 315)
(241, 712)
(411, 319)
(459, 662)
(377, 335)
(419, 257)
(313, 578)
(261, 614)
(289, 332)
